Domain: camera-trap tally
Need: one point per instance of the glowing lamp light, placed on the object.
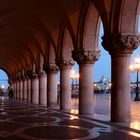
(110, 84)
(131, 67)
(95, 85)
(2, 86)
(77, 75)
(137, 60)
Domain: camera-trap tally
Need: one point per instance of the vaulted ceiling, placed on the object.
(24, 22)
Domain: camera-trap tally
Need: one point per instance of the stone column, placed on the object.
(24, 89)
(35, 89)
(29, 90)
(65, 66)
(20, 89)
(52, 98)
(86, 59)
(43, 89)
(120, 47)
(16, 89)
(18, 95)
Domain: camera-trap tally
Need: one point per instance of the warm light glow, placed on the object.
(135, 125)
(72, 72)
(137, 60)
(74, 75)
(2, 86)
(75, 112)
(131, 67)
(137, 66)
(110, 84)
(95, 85)
(77, 75)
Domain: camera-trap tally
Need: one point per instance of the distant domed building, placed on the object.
(103, 86)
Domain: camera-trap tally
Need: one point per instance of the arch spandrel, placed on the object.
(129, 18)
(41, 63)
(89, 25)
(51, 55)
(67, 45)
(91, 29)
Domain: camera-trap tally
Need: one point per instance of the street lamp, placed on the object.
(136, 68)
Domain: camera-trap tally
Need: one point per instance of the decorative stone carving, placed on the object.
(23, 78)
(65, 63)
(13, 78)
(50, 68)
(86, 56)
(18, 77)
(120, 43)
(42, 73)
(26, 75)
(31, 74)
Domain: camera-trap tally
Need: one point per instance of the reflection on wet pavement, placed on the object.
(22, 121)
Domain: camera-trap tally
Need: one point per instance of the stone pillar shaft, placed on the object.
(120, 47)
(120, 92)
(65, 90)
(43, 89)
(35, 90)
(86, 104)
(52, 85)
(25, 89)
(18, 95)
(52, 90)
(65, 65)
(21, 89)
(15, 90)
(29, 90)
(86, 59)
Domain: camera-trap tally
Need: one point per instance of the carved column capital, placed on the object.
(26, 75)
(31, 74)
(120, 43)
(48, 68)
(65, 63)
(86, 56)
(12, 79)
(34, 75)
(23, 78)
(18, 78)
(42, 74)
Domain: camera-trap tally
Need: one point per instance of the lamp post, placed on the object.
(136, 68)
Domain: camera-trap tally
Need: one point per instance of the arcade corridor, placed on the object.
(41, 38)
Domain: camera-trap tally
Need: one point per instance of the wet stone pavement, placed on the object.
(22, 121)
